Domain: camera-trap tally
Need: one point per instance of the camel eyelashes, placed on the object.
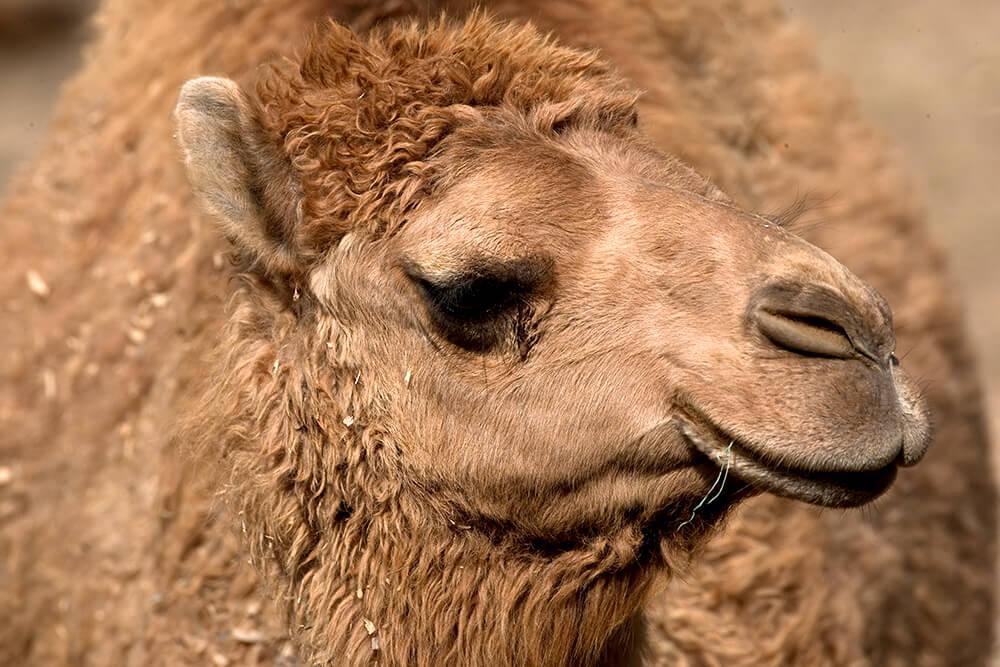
(472, 298)
(481, 290)
(475, 308)
(473, 313)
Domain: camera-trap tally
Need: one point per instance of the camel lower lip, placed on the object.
(829, 489)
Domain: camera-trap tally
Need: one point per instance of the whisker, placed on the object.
(907, 353)
(713, 494)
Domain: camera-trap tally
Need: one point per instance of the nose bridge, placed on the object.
(745, 256)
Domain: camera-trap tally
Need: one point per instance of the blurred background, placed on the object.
(927, 74)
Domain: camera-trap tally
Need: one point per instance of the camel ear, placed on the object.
(237, 172)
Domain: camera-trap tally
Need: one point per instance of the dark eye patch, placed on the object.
(477, 307)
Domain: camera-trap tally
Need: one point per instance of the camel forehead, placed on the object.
(509, 203)
(573, 196)
(515, 195)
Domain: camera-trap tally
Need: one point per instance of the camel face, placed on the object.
(561, 332)
(563, 343)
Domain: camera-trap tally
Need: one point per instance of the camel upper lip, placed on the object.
(828, 488)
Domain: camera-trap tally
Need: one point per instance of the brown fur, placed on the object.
(331, 508)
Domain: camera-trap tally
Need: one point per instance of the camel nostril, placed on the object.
(808, 335)
(812, 321)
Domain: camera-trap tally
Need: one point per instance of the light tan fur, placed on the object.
(413, 494)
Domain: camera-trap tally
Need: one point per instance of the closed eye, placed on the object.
(472, 298)
(469, 307)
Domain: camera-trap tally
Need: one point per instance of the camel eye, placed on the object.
(472, 298)
(479, 307)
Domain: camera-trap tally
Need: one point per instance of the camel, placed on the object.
(511, 367)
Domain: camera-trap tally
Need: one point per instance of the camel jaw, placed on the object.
(828, 489)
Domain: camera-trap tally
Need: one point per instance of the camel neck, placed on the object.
(450, 599)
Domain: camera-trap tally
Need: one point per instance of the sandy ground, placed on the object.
(927, 72)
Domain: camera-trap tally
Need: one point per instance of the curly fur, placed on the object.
(365, 120)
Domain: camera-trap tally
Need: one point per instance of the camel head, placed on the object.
(543, 326)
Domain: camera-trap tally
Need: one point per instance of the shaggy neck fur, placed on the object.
(370, 564)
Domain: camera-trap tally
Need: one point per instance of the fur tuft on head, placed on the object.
(362, 122)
